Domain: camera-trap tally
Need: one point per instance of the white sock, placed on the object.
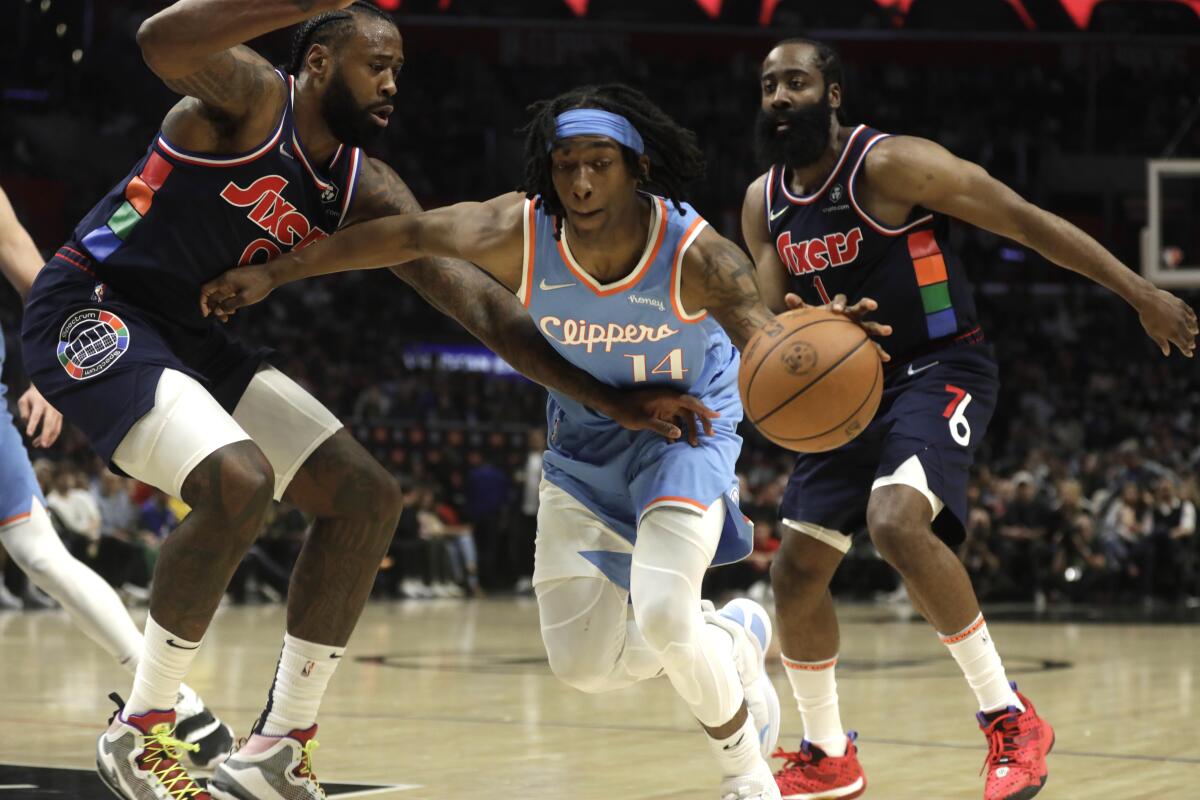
(303, 673)
(165, 659)
(739, 754)
(975, 652)
(815, 689)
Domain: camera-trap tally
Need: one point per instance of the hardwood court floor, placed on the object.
(453, 700)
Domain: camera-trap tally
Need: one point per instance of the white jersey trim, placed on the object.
(356, 156)
(654, 240)
(811, 198)
(529, 230)
(689, 236)
(877, 226)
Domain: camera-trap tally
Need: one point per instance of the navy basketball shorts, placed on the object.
(98, 358)
(933, 415)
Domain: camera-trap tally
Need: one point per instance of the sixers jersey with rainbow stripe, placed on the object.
(830, 245)
(180, 219)
(635, 333)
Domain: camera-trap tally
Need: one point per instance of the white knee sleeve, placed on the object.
(591, 644)
(674, 548)
(91, 603)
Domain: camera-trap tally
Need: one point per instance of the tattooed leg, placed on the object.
(357, 505)
(229, 493)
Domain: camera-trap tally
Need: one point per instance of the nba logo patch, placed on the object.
(329, 194)
(309, 666)
(91, 341)
(98, 293)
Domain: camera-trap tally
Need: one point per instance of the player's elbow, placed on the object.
(153, 38)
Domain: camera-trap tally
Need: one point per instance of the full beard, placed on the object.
(349, 123)
(803, 142)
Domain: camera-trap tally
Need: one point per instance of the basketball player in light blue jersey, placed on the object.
(29, 537)
(638, 290)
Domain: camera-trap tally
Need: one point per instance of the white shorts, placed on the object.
(187, 425)
(566, 527)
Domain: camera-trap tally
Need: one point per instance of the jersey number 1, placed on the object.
(821, 290)
(673, 362)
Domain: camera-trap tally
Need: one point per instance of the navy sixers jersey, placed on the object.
(830, 245)
(180, 219)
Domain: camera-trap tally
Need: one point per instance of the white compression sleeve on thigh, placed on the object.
(91, 603)
(590, 640)
(674, 548)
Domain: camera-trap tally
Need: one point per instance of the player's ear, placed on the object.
(319, 60)
(834, 92)
(643, 168)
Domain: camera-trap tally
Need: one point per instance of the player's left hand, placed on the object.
(660, 410)
(34, 411)
(1168, 321)
(234, 289)
(856, 313)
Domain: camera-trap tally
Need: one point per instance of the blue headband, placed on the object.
(594, 121)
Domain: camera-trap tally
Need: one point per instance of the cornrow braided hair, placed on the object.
(675, 157)
(327, 28)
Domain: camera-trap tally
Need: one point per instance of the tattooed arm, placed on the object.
(486, 306)
(233, 96)
(386, 225)
(719, 277)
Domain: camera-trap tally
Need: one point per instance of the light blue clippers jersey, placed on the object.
(634, 333)
(18, 486)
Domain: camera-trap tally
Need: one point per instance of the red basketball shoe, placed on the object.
(1018, 742)
(810, 774)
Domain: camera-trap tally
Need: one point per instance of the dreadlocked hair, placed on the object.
(327, 29)
(675, 157)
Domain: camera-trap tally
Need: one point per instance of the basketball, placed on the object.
(811, 383)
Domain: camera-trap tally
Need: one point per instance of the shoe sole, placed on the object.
(103, 773)
(1032, 791)
(833, 794)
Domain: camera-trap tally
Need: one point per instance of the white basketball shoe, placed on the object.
(750, 626)
(270, 768)
(758, 785)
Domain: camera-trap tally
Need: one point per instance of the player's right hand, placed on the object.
(662, 411)
(855, 313)
(35, 411)
(1168, 321)
(241, 286)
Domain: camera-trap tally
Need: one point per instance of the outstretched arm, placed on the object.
(435, 242)
(904, 171)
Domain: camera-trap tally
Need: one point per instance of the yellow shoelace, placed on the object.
(161, 759)
(306, 767)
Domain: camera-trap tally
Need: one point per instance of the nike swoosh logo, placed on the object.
(776, 215)
(912, 371)
(550, 287)
(335, 655)
(171, 643)
(735, 744)
(284, 151)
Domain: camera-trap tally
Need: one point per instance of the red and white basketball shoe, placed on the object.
(139, 758)
(1018, 743)
(812, 774)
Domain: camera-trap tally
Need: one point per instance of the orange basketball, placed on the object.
(811, 383)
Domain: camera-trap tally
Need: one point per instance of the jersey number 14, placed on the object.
(672, 364)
